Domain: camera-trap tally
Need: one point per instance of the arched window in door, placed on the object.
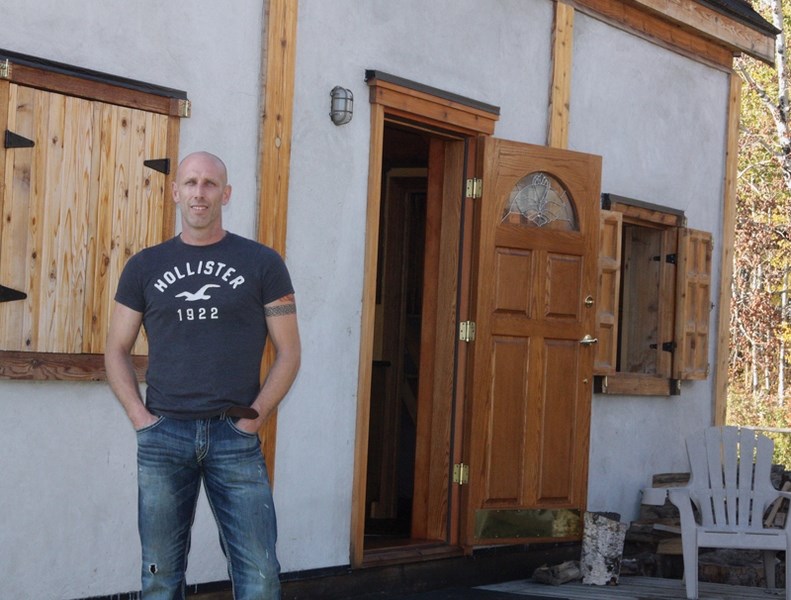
(539, 200)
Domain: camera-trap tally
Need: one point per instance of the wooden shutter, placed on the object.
(75, 206)
(693, 305)
(667, 306)
(609, 291)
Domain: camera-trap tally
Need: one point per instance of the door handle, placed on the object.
(588, 340)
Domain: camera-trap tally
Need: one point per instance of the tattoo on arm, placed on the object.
(280, 309)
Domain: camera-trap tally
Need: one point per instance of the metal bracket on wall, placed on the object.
(185, 108)
(159, 164)
(14, 140)
(8, 294)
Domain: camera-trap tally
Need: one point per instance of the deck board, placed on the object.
(635, 588)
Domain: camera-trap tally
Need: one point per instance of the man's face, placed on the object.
(201, 190)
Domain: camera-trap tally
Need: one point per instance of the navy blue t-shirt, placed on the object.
(203, 312)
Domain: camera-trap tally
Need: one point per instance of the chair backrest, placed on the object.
(730, 481)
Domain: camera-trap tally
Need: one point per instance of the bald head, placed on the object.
(201, 189)
(203, 156)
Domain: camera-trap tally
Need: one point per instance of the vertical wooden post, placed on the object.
(278, 60)
(726, 258)
(560, 90)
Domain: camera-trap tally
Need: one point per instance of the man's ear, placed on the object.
(174, 191)
(226, 194)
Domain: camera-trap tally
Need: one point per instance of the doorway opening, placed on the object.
(396, 372)
(405, 506)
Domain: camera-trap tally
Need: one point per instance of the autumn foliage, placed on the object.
(760, 305)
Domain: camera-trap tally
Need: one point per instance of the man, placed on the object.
(207, 298)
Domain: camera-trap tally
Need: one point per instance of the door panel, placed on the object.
(536, 239)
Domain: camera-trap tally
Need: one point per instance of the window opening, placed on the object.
(654, 277)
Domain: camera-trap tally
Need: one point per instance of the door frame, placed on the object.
(395, 99)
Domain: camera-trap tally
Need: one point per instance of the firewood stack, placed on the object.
(653, 541)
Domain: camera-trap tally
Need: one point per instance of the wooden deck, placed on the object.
(635, 588)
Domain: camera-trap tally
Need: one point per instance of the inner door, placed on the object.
(527, 414)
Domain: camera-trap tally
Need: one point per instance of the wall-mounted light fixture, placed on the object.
(341, 105)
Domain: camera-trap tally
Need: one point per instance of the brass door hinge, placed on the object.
(467, 331)
(474, 187)
(461, 474)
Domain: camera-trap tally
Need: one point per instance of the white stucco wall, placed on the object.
(68, 489)
(658, 119)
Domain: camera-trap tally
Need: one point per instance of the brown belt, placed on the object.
(242, 412)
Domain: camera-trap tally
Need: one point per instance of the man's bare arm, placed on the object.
(281, 321)
(124, 327)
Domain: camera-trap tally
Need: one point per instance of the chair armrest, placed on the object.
(680, 497)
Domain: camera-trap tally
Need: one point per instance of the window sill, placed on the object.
(635, 384)
(46, 366)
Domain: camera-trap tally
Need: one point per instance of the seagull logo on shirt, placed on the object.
(199, 295)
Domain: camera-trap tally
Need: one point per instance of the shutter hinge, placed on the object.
(467, 331)
(8, 294)
(5, 69)
(161, 165)
(669, 258)
(461, 474)
(14, 140)
(666, 347)
(474, 187)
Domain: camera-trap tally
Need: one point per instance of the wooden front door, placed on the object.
(530, 374)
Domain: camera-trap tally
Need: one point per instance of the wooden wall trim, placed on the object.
(722, 344)
(717, 26)
(638, 20)
(560, 89)
(275, 137)
(274, 157)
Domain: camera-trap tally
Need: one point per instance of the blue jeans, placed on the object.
(173, 457)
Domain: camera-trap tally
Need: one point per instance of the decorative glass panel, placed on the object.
(539, 200)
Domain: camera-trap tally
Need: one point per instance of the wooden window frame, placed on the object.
(68, 80)
(679, 319)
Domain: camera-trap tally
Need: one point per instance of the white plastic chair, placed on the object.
(731, 490)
